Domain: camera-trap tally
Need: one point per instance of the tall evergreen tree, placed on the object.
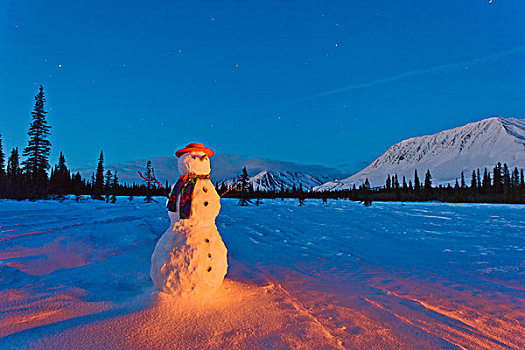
(3, 184)
(428, 180)
(506, 179)
(77, 185)
(14, 176)
(148, 175)
(473, 180)
(13, 164)
(486, 181)
(404, 183)
(463, 180)
(395, 182)
(98, 184)
(478, 185)
(245, 188)
(388, 182)
(115, 188)
(60, 177)
(39, 147)
(2, 159)
(515, 178)
(417, 184)
(497, 179)
(107, 185)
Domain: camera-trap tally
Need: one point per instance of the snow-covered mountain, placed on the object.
(272, 180)
(225, 167)
(446, 154)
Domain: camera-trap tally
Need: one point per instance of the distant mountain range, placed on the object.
(265, 173)
(273, 180)
(446, 154)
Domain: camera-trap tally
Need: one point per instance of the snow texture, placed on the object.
(321, 276)
(190, 257)
(446, 154)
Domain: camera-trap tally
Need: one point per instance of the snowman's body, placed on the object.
(190, 257)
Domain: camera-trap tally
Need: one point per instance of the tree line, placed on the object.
(502, 185)
(30, 178)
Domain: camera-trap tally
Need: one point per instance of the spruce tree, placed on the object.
(506, 179)
(60, 177)
(107, 185)
(148, 175)
(114, 185)
(417, 184)
(76, 185)
(486, 181)
(13, 164)
(98, 184)
(2, 160)
(388, 182)
(301, 195)
(473, 181)
(38, 148)
(3, 184)
(245, 188)
(14, 176)
(428, 180)
(497, 179)
(463, 180)
(522, 181)
(515, 178)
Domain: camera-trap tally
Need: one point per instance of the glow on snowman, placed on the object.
(190, 257)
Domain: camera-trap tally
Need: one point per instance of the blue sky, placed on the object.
(321, 82)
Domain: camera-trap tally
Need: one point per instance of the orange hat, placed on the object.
(194, 147)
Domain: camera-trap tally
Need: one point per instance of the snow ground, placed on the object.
(340, 275)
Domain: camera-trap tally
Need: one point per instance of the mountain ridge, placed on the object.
(446, 154)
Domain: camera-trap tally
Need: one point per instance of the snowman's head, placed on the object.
(195, 162)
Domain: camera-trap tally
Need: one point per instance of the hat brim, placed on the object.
(207, 151)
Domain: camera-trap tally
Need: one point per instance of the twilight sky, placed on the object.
(321, 82)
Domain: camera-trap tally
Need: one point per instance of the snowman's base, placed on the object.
(189, 260)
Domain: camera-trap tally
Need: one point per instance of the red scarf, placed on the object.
(184, 186)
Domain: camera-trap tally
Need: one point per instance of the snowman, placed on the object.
(190, 257)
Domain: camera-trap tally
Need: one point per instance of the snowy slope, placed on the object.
(447, 153)
(321, 276)
(272, 180)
